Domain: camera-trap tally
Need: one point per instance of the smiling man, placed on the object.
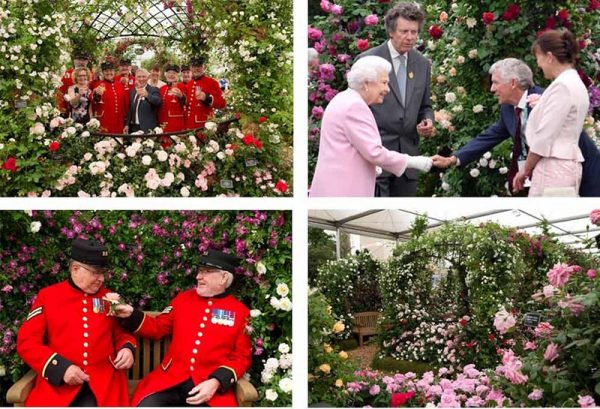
(406, 111)
(78, 352)
(210, 349)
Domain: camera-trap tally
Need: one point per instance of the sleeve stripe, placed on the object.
(33, 314)
(232, 371)
(46, 365)
(141, 323)
(167, 310)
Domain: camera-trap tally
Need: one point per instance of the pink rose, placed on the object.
(317, 112)
(529, 345)
(504, 321)
(314, 34)
(548, 291)
(595, 217)
(559, 274)
(544, 329)
(325, 6)
(536, 394)
(586, 401)
(371, 20)
(591, 274)
(337, 9)
(551, 352)
(362, 44)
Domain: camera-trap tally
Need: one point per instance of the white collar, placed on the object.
(523, 101)
(394, 53)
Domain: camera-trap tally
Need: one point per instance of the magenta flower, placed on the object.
(595, 217)
(591, 274)
(374, 390)
(337, 9)
(317, 112)
(586, 401)
(371, 20)
(314, 34)
(325, 6)
(327, 72)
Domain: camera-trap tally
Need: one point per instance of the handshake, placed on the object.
(424, 163)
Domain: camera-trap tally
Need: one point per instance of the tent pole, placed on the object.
(338, 239)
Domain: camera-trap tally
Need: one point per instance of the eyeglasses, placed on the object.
(99, 272)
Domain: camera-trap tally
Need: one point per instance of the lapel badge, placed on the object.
(223, 317)
(411, 75)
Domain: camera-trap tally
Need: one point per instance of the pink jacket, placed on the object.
(555, 123)
(350, 148)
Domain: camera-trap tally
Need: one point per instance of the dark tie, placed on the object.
(517, 149)
(401, 76)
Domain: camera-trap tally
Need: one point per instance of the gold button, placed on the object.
(85, 301)
(85, 362)
(85, 318)
(202, 325)
(85, 334)
(84, 309)
(205, 319)
(207, 310)
(54, 362)
(194, 351)
(192, 360)
(85, 354)
(191, 368)
(85, 325)
(210, 303)
(197, 342)
(199, 334)
(85, 344)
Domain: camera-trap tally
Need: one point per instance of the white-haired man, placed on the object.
(210, 348)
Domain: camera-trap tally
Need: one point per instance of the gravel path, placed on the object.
(363, 355)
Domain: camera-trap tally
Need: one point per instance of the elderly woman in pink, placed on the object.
(350, 148)
(556, 121)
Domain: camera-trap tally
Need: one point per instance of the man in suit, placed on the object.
(144, 102)
(512, 83)
(406, 111)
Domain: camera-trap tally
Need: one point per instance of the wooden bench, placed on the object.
(148, 355)
(365, 324)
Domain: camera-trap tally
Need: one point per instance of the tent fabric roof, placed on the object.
(570, 224)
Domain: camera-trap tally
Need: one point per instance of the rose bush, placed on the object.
(35, 39)
(462, 40)
(153, 256)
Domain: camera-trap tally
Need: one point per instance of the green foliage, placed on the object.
(154, 256)
(321, 248)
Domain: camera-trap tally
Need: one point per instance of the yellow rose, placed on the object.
(339, 383)
(328, 349)
(325, 368)
(329, 309)
(343, 355)
(338, 327)
(311, 377)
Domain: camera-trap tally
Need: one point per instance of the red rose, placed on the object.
(54, 146)
(563, 15)
(399, 399)
(362, 45)
(550, 22)
(463, 322)
(491, 337)
(512, 12)
(435, 32)
(262, 119)
(471, 344)
(594, 5)
(165, 142)
(488, 18)
(10, 164)
(281, 186)
(258, 143)
(248, 140)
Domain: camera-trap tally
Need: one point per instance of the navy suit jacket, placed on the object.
(147, 110)
(505, 128)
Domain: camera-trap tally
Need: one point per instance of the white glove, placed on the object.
(422, 163)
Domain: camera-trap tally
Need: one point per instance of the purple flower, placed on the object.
(317, 112)
(343, 58)
(258, 351)
(337, 37)
(594, 97)
(371, 20)
(327, 72)
(353, 26)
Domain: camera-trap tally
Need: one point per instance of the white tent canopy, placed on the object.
(568, 221)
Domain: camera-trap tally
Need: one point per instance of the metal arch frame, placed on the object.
(120, 29)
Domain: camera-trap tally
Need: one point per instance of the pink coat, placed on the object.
(350, 148)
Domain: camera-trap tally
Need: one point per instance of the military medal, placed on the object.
(97, 305)
(223, 317)
(411, 75)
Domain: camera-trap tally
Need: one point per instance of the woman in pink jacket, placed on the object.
(350, 148)
(556, 121)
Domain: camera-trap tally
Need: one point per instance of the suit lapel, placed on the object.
(385, 53)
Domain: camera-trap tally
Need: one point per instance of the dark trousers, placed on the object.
(174, 396)
(85, 397)
(134, 128)
(392, 186)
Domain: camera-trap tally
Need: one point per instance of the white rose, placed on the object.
(185, 192)
(473, 54)
(38, 129)
(503, 170)
(285, 304)
(474, 172)
(153, 183)
(450, 97)
(158, 130)
(255, 313)
(282, 289)
(85, 134)
(492, 164)
(271, 395)
(210, 126)
(272, 364)
(487, 155)
(284, 348)
(445, 186)
(478, 108)
(260, 268)
(162, 156)
(146, 160)
(275, 303)
(483, 162)
(87, 156)
(35, 227)
(460, 59)
(71, 130)
(471, 22)
(221, 155)
(286, 385)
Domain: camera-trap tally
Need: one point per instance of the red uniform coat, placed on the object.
(112, 111)
(209, 341)
(197, 111)
(171, 114)
(63, 329)
(127, 85)
(67, 81)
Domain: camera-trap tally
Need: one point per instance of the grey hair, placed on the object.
(229, 279)
(142, 71)
(367, 68)
(410, 11)
(313, 54)
(514, 69)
